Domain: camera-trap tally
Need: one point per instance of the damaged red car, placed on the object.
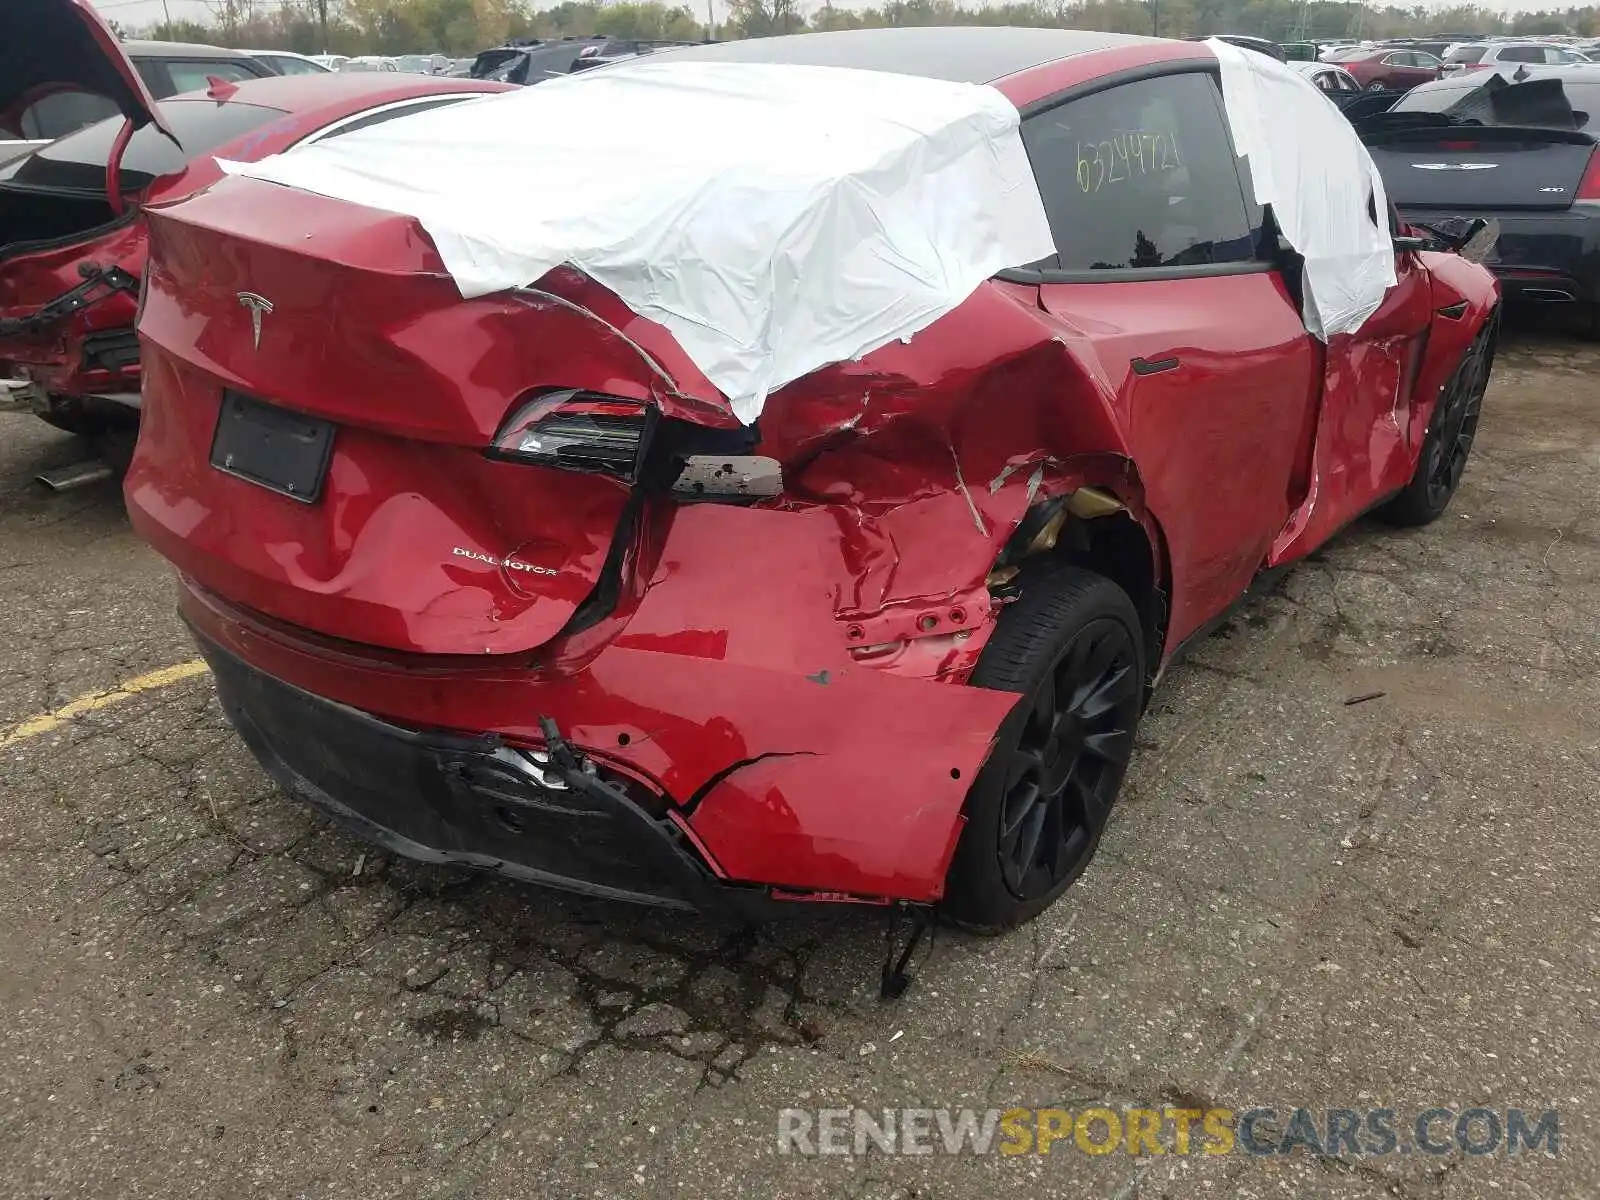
(72, 231)
(501, 578)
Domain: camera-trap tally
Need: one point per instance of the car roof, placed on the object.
(965, 54)
(178, 50)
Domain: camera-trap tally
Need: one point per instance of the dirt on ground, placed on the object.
(1302, 902)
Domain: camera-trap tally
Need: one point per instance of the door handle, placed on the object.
(1150, 366)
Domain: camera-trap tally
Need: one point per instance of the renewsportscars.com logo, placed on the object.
(1329, 1133)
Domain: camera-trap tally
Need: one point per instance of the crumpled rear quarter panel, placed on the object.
(792, 764)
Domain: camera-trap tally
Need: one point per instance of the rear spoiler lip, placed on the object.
(1479, 133)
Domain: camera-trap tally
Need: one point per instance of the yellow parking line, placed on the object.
(46, 722)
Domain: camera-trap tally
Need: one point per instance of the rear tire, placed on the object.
(1072, 646)
(1448, 443)
(1376, 86)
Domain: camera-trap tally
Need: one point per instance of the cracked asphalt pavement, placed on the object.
(204, 991)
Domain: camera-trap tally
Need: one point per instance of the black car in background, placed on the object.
(1245, 41)
(1518, 148)
(617, 49)
(532, 61)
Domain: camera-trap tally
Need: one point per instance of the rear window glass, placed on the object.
(1584, 98)
(1466, 54)
(78, 161)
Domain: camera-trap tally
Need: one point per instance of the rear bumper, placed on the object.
(475, 802)
(724, 781)
(1547, 257)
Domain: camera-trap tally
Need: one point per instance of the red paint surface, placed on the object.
(831, 629)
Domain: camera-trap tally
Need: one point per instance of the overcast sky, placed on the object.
(142, 12)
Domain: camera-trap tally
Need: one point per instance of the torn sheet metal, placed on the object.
(1308, 163)
(774, 218)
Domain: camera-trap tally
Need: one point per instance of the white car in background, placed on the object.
(287, 62)
(369, 62)
(1328, 77)
(332, 61)
(1484, 56)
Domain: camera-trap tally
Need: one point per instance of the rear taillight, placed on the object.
(577, 431)
(1589, 185)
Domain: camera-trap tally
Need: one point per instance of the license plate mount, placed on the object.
(283, 451)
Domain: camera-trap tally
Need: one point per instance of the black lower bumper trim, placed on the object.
(476, 802)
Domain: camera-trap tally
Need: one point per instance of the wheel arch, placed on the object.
(1110, 534)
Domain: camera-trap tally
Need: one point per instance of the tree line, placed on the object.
(463, 27)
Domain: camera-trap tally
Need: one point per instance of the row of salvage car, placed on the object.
(796, 504)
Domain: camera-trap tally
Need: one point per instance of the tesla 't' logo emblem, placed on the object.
(259, 307)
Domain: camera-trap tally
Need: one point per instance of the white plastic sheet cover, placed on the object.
(774, 218)
(1307, 162)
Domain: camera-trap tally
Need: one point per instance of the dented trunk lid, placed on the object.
(419, 541)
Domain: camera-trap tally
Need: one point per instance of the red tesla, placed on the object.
(480, 586)
(72, 230)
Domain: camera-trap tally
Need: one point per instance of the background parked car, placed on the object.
(1541, 184)
(1433, 46)
(287, 62)
(1246, 42)
(369, 62)
(1483, 56)
(533, 61)
(1329, 77)
(618, 49)
(1384, 69)
(332, 61)
(167, 68)
(423, 64)
(71, 255)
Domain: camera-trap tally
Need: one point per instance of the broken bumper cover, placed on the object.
(707, 783)
(469, 801)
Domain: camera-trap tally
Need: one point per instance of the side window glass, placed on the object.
(196, 76)
(154, 73)
(1142, 176)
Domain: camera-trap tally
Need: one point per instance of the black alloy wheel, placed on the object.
(1064, 769)
(1072, 646)
(1448, 442)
